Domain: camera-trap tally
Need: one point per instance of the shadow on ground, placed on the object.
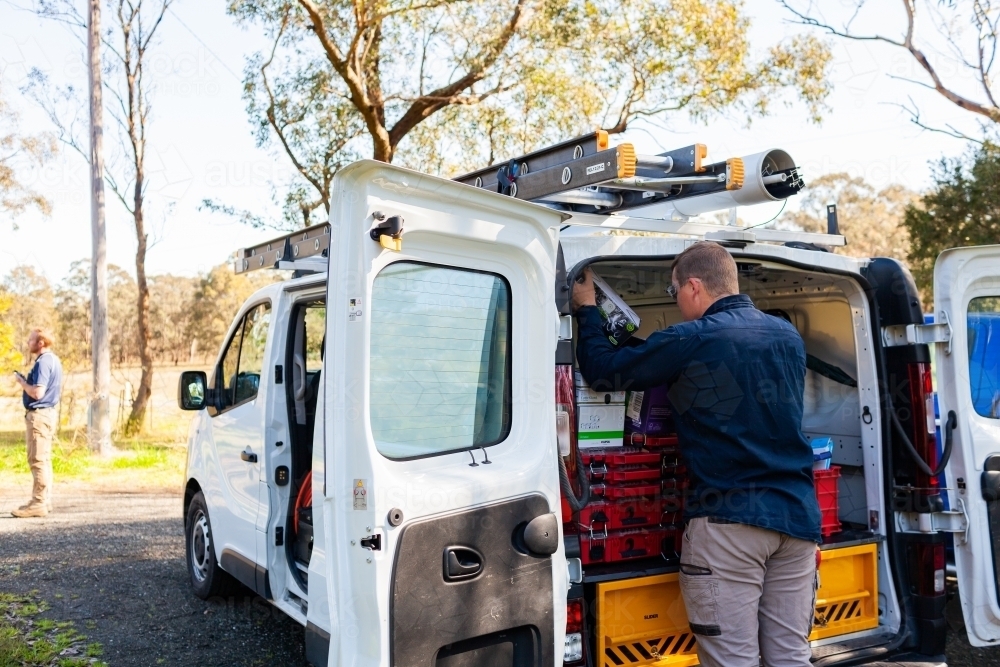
(114, 565)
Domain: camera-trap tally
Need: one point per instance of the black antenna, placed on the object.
(486, 457)
(473, 464)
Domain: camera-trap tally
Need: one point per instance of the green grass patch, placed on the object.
(29, 641)
(156, 456)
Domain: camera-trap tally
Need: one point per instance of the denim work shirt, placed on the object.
(736, 378)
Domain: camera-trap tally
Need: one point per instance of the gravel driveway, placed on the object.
(114, 564)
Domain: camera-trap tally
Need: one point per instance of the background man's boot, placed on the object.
(35, 510)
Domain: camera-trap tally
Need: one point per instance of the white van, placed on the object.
(376, 452)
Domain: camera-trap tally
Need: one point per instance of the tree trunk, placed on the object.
(135, 419)
(99, 420)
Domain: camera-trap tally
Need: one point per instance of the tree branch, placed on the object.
(436, 100)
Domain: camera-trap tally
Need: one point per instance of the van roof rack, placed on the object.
(607, 187)
(618, 188)
(296, 251)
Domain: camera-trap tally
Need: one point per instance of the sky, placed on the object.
(202, 146)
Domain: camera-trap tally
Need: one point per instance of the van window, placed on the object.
(230, 361)
(984, 355)
(243, 361)
(440, 360)
(252, 352)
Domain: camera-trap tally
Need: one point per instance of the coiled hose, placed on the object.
(576, 504)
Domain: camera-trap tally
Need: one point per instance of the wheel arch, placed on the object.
(190, 490)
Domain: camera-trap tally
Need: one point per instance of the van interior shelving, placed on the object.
(831, 313)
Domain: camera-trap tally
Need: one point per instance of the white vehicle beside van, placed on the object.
(378, 450)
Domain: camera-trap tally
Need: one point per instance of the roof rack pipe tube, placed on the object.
(661, 184)
(755, 190)
(586, 198)
(664, 162)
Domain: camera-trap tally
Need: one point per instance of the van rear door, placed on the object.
(967, 296)
(442, 532)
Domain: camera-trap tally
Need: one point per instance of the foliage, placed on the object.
(969, 33)
(10, 357)
(31, 305)
(215, 303)
(870, 219)
(26, 640)
(447, 84)
(962, 209)
(189, 316)
(17, 152)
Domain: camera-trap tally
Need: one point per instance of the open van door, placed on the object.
(441, 536)
(967, 297)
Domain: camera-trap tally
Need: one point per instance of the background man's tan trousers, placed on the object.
(750, 593)
(40, 427)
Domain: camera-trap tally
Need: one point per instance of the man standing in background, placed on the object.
(42, 389)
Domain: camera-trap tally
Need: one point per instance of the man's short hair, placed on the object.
(45, 337)
(711, 264)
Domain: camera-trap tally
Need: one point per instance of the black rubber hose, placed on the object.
(951, 423)
(576, 504)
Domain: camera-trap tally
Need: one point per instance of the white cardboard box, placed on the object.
(584, 394)
(600, 425)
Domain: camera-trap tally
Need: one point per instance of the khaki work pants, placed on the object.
(750, 594)
(40, 427)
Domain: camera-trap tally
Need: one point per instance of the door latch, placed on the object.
(372, 542)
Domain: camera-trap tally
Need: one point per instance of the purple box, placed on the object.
(648, 412)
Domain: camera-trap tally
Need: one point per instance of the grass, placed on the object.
(29, 641)
(146, 461)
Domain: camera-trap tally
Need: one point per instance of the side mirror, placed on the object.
(191, 390)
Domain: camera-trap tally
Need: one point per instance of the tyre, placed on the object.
(207, 578)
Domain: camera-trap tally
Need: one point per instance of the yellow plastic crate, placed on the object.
(643, 621)
(847, 599)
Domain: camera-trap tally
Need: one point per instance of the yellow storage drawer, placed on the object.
(643, 621)
(847, 599)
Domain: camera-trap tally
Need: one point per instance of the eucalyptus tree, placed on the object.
(443, 85)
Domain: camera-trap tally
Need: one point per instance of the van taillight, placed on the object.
(573, 652)
(922, 402)
(930, 580)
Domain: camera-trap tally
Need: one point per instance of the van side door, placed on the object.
(967, 298)
(236, 426)
(441, 532)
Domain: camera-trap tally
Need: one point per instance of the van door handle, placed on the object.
(461, 563)
(248, 456)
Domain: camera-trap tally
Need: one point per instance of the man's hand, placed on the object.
(583, 291)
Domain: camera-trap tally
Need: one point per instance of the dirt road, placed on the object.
(114, 564)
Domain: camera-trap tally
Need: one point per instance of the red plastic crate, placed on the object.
(621, 456)
(625, 514)
(632, 474)
(630, 490)
(642, 440)
(613, 547)
(828, 496)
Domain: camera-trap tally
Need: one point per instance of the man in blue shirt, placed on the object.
(41, 392)
(736, 378)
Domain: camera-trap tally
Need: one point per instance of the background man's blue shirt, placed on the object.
(47, 371)
(736, 379)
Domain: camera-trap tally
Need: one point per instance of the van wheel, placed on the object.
(207, 578)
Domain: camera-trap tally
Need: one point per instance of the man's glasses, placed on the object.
(672, 291)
